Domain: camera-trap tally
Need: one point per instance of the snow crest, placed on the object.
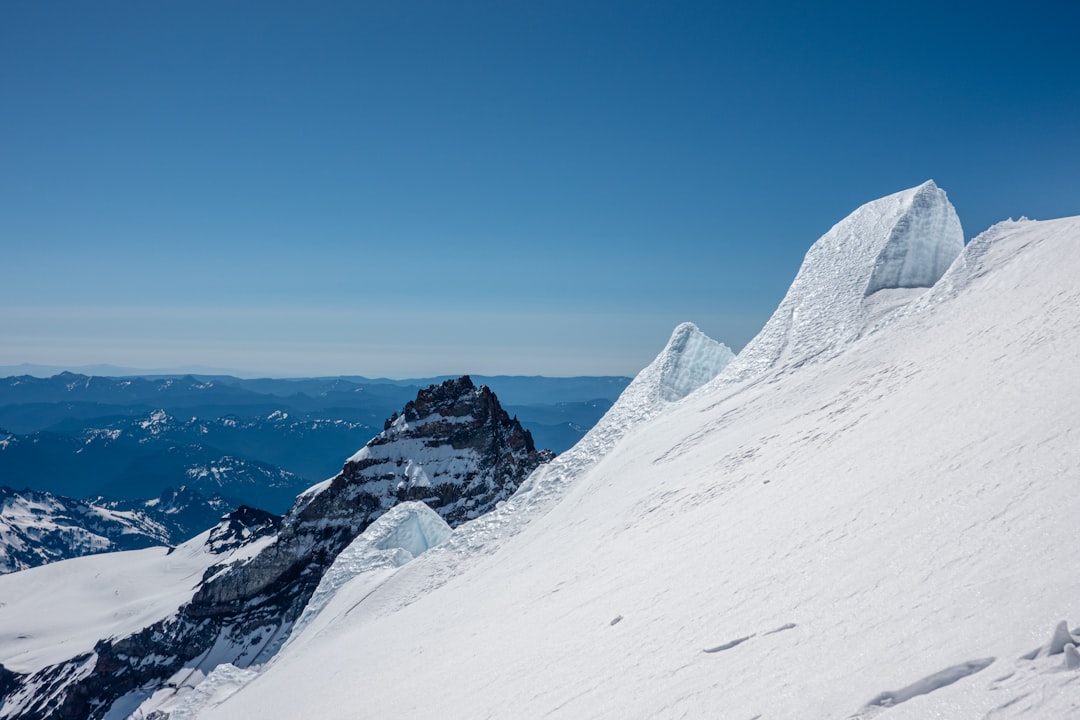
(689, 360)
(401, 534)
(867, 267)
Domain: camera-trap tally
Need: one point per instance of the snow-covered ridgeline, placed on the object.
(38, 528)
(404, 532)
(689, 359)
(871, 263)
(884, 532)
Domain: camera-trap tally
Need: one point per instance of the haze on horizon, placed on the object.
(402, 190)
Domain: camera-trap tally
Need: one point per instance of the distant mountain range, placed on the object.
(452, 454)
(80, 446)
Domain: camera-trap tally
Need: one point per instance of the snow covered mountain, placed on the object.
(876, 523)
(453, 447)
(38, 527)
(887, 531)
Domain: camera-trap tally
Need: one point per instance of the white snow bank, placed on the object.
(51, 613)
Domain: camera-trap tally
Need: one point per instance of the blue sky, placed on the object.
(416, 188)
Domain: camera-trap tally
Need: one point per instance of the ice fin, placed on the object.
(1060, 639)
(1072, 657)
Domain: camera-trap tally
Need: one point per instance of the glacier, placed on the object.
(53, 612)
(869, 265)
(401, 534)
(870, 510)
(885, 526)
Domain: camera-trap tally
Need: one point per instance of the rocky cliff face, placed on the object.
(453, 447)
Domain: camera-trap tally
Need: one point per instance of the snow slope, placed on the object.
(54, 612)
(688, 360)
(887, 531)
(401, 534)
(411, 529)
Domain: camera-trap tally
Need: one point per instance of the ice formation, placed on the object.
(867, 266)
(690, 359)
(404, 532)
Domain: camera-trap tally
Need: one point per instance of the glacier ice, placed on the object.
(923, 243)
(690, 360)
(402, 533)
(869, 264)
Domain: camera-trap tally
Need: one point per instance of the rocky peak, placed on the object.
(240, 527)
(454, 448)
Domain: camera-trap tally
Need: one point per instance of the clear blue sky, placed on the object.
(399, 188)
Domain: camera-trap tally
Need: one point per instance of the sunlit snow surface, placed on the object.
(889, 531)
(54, 612)
(399, 535)
(869, 264)
(403, 533)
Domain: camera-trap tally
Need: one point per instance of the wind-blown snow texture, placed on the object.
(887, 531)
(688, 360)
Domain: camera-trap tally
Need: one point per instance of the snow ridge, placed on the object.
(689, 360)
(39, 527)
(403, 533)
(864, 269)
(904, 514)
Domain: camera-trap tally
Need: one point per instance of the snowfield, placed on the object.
(57, 611)
(889, 530)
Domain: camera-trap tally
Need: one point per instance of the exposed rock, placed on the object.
(453, 447)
